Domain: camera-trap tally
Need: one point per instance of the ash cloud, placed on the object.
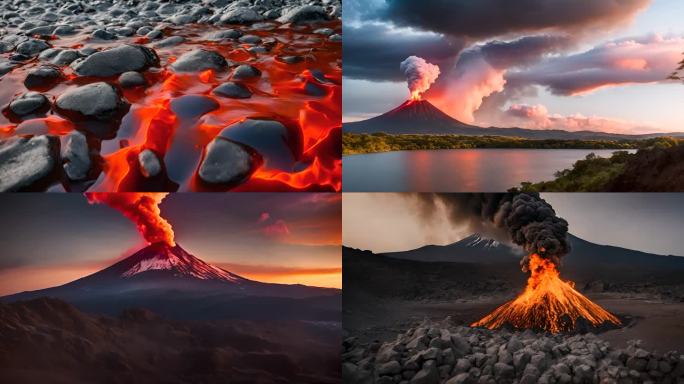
(419, 74)
(372, 51)
(142, 208)
(490, 18)
(480, 72)
(524, 219)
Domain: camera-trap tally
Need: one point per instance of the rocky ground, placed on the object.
(48, 341)
(170, 95)
(441, 352)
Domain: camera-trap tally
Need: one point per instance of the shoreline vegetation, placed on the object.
(360, 143)
(658, 165)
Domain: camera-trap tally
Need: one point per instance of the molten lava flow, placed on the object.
(142, 209)
(547, 303)
(415, 96)
(176, 114)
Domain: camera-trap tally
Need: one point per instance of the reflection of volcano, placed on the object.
(170, 281)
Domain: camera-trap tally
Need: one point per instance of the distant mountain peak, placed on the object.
(477, 240)
(163, 257)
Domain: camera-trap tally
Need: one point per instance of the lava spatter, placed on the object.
(547, 303)
(297, 83)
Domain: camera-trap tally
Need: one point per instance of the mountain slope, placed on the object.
(586, 261)
(172, 282)
(421, 117)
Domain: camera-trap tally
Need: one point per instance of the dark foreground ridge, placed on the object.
(49, 341)
(421, 117)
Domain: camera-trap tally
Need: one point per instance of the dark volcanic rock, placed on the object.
(116, 61)
(131, 79)
(225, 162)
(199, 60)
(304, 15)
(225, 34)
(250, 39)
(233, 90)
(43, 77)
(98, 101)
(245, 72)
(77, 156)
(28, 103)
(193, 106)
(32, 47)
(26, 162)
(65, 57)
(240, 15)
(268, 137)
(170, 42)
(104, 35)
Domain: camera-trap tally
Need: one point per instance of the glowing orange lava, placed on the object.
(548, 303)
(415, 96)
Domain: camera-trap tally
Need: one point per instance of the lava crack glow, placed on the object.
(142, 208)
(548, 303)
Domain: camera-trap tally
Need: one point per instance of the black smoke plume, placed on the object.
(523, 218)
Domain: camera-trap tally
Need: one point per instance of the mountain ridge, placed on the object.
(171, 282)
(411, 117)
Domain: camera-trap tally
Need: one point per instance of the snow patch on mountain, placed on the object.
(181, 264)
(477, 240)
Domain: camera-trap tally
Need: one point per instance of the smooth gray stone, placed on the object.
(77, 155)
(199, 60)
(232, 90)
(225, 162)
(116, 61)
(149, 163)
(24, 162)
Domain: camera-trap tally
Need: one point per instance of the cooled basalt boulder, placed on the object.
(199, 60)
(226, 163)
(96, 101)
(115, 61)
(26, 162)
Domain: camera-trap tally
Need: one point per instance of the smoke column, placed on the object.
(523, 218)
(419, 75)
(142, 208)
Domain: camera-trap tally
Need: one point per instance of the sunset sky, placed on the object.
(566, 64)
(649, 222)
(51, 239)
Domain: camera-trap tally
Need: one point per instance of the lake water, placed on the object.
(456, 170)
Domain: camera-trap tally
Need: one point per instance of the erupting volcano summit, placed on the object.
(548, 303)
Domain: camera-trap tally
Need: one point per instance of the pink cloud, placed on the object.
(279, 228)
(645, 59)
(538, 117)
(467, 86)
(264, 217)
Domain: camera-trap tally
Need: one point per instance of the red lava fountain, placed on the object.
(548, 303)
(142, 209)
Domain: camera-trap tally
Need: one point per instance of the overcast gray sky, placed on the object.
(650, 222)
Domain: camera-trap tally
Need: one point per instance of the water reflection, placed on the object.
(460, 170)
